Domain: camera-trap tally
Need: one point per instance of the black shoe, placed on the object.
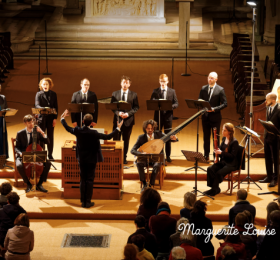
(207, 158)
(208, 192)
(217, 192)
(265, 180)
(144, 187)
(41, 188)
(29, 188)
(124, 161)
(88, 205)
(51, 158)
(273, 183)
(168, 159)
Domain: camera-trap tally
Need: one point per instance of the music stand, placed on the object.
(151, 158)
(196, 157)
(34, 157)
(4, 113)
(270, 128)
(81, 108)
(248, 134)
(196, 104)
(159, 105)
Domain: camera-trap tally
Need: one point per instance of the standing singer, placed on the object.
(215, 95)
(3, 132)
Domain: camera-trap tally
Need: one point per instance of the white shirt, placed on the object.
(125, 99)
(271, 108)
(84, 94)
(151, 138)
(165, 92)
(212, 91)
(28, 135)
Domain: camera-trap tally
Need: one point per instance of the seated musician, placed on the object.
(23, 140)
(227, 152)
(149, 127)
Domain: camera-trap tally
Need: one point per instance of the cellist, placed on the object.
(23, 140)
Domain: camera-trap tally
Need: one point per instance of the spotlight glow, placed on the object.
(251, 3)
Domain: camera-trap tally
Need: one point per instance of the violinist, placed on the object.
(227, 152)
(23, 140)
(47, 98)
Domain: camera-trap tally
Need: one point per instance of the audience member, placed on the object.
(150, 239)
(8, 214)
(228, 253)
(202, 223)
(269, 248)
(270, 208)
(163, 226)
(5, 189)
(143, 254)
(241, 205)
(246, 234)
(178, 253)
(189, 200)
(175, 239)
(149, 201)
(130, 252)
(278, 201)
(191, 252)
(233, 240)
(19, 241)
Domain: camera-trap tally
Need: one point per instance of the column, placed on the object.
(272, 18)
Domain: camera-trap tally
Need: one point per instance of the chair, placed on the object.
(235, 175)
(16, 173)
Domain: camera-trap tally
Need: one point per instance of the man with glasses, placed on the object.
(164, 92)
(215, 95)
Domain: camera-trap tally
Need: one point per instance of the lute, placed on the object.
(155, 146)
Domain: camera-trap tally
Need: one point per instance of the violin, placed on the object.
(34, 169)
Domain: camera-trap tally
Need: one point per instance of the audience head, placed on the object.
(228, 253)
(189, 200)
(163, 206)
(140, 221)
(139, 241)
(130, 252)
(249, 216)
(275, 218)
(22, 220)
(184, 221)
(13, 198)
(199, 207)
(150, 198)
(241, 219)
(271, 207)
(242, 194)
(88, 119)
(178, 253)
(278, 199)
(233, 237)
(186, 232)
(5, 188)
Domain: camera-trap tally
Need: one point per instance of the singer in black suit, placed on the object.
(216, 96)
(126, 95)
(23, 140)
(271, 142)
(149, 128)
(166, 117)
(88, 153)
(47, 98)
(3, 134)
(84, 96)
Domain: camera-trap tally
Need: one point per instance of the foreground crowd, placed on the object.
(159, 236)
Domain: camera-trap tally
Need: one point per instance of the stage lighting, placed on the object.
(252, 3)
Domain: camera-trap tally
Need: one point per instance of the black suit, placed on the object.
(3, 105)
(88, 153)
(128, 122)
(271, 145)
(165, 116)
(77, 98)
(228, 163)
(42, 100)
(21, 145)
(218, 101)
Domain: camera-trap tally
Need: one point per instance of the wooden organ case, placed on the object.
(108, 181)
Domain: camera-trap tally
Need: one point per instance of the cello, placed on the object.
(216, 146)
(34, 169)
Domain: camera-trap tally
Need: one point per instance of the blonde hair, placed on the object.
(230, 128)
(163, 76)
(82, 81)
(49, 80)
(189, 200)
(187, 235)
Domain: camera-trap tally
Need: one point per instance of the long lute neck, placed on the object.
(34, 138)
(181, 126)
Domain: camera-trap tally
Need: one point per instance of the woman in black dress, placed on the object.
(46, 98)
(228, 160)
(3, 128)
